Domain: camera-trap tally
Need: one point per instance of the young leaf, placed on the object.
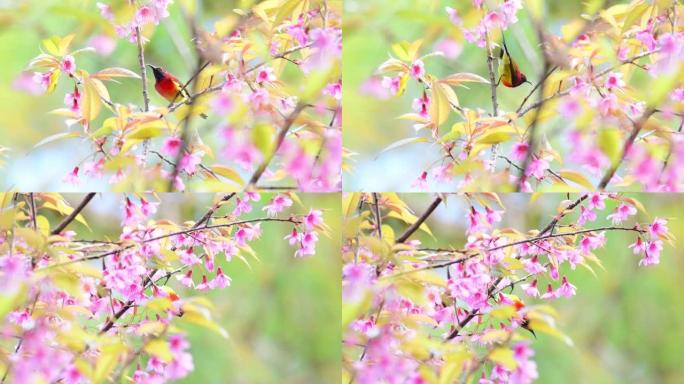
(110, 73)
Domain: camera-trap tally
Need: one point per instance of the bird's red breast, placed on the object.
(168, 87)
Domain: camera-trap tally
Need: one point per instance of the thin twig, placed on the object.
(414, 227)
(638, 125)
(67, 220)
(492, 82)
(143, 74)
(378, 218)
(287, 124)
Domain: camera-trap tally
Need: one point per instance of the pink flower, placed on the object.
(596, 201)
(277, 205)
(265, 75)
(533, 266)
(569, 108)
(241, 206)
(493, 20)
(652, 253)
(105, 11)
(647, 39)
(608, 104)
(566, 289)
(621, 213)
(72, 177)
(421, 181)
(73, 376)
(148, 209)
(326, 47)
(220, 281)
(247, 232)
(171, 146)
(492, 216)
(531, 288)
(519, 151)
(334, 90)
(417, 69)
(190, 161)
(186, 279)
(550, 293)
(252, 196)
(293, 237)
(421, 104)
(391, 83)
(188, 257)
(22, 319)
(68, 64)
(178, 343)
(537, 168)
(103, 44)
(614, 80)
(73, 100)
(638, 246)
(204, 285)
(443, 173)
(313, 219)
(222, 103)
(27, 82)
(145, 15)
(307, 244)
(453, 16)
(658, 228)
(449, 47)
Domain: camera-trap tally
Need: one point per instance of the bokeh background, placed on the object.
(282, 313)
(370, 115)
(25, 119)
(627, 324)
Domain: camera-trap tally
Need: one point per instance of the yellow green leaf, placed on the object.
(159, 348)
(609, 141)
(228, 173)
(492, 138)
(577, 178)
(91, 104)
(110, 73)
(57, 137)
(503, 356)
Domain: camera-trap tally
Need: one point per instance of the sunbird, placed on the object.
(169, 87)
(511, 76)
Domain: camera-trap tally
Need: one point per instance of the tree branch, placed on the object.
(414, 227)
(376, 212)
(143, 74)
(492, 82)
(638, 125)
(278, 142)
(130, 303)
(67, 220)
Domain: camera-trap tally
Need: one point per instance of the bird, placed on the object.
(511, 76)
(169, 87)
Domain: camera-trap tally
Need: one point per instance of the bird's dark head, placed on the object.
(158, 72)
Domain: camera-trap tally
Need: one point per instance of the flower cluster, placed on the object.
(456, 313)
(80, 311)
(613, 133)
(150, 12)
(271, 83)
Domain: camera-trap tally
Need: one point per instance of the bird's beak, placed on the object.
(158, 74)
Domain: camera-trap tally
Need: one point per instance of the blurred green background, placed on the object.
(282, 313)
(627, 324)
(370, 119)
(23, 25)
